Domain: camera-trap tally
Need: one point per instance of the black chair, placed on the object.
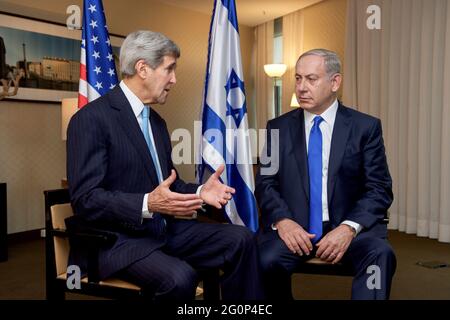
(58, 242)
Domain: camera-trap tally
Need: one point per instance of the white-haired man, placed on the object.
(122, 179)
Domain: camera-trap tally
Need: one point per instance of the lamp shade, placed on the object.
(294, 101)
(69, 107)
(275, 70)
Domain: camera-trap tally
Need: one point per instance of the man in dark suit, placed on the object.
(122, 180)
(332, 189)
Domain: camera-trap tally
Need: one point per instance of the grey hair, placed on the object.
(332, 61)
(148, 46)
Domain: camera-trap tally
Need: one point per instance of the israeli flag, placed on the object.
(225, 137)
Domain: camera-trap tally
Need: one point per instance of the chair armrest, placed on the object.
(88, 237)
(83, 233)
(91, 240)
(88, 241)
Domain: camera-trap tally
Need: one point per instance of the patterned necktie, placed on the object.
(151, 147)
(315, 179)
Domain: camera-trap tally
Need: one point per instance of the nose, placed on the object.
(301, 87)
(173, 79)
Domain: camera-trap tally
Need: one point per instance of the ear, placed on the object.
(141, 69)
(336, 81)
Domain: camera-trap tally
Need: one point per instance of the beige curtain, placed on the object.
(263, 53)
(292, 49)
(401, 74)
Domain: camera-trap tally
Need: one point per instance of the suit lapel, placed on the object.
(297, 130)
(127, 120)
(341, 130)
(157, 131)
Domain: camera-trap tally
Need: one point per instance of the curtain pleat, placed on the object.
(401, 74)
(292, 49)
(263, 84)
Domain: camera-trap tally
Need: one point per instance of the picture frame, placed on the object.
(40, 59)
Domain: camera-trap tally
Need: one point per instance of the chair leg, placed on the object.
(211, 285)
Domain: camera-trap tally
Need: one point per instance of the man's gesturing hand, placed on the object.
(214, 192)
(294, 236)
(165, 201)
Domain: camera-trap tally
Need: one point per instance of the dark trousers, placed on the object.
(170, 271)
(371, 258)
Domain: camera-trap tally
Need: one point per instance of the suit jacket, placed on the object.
(109, 169)
(359, 184)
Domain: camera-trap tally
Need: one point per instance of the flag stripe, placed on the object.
(212, 122)
(83, 64)
(231, 13)
(82, 100)
(243, 197)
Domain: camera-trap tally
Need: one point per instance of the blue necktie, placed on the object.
(315, 179)
(151, 147)
(159, 222)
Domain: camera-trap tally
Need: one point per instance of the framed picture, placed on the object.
(40, 60)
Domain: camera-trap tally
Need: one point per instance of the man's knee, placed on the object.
(268, 260)
(387, 255)
(270, 257)
(242, 234)
(180, 283)
(379, 252)
(239, 237)
(381, 249)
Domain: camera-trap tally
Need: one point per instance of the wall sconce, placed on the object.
(294, 101)
(276, 71)
(69, 107)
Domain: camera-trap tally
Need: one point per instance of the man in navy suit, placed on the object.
(122, 180)
(332, 189)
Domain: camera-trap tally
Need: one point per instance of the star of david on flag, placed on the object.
(225, 138)
(97, 68)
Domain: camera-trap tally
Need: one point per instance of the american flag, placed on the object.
(97, 68)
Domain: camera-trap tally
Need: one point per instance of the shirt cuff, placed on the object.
(145, 213)
(354, 225)
(199, 189)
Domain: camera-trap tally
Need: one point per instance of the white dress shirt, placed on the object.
(326, 127)
(137, 105)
